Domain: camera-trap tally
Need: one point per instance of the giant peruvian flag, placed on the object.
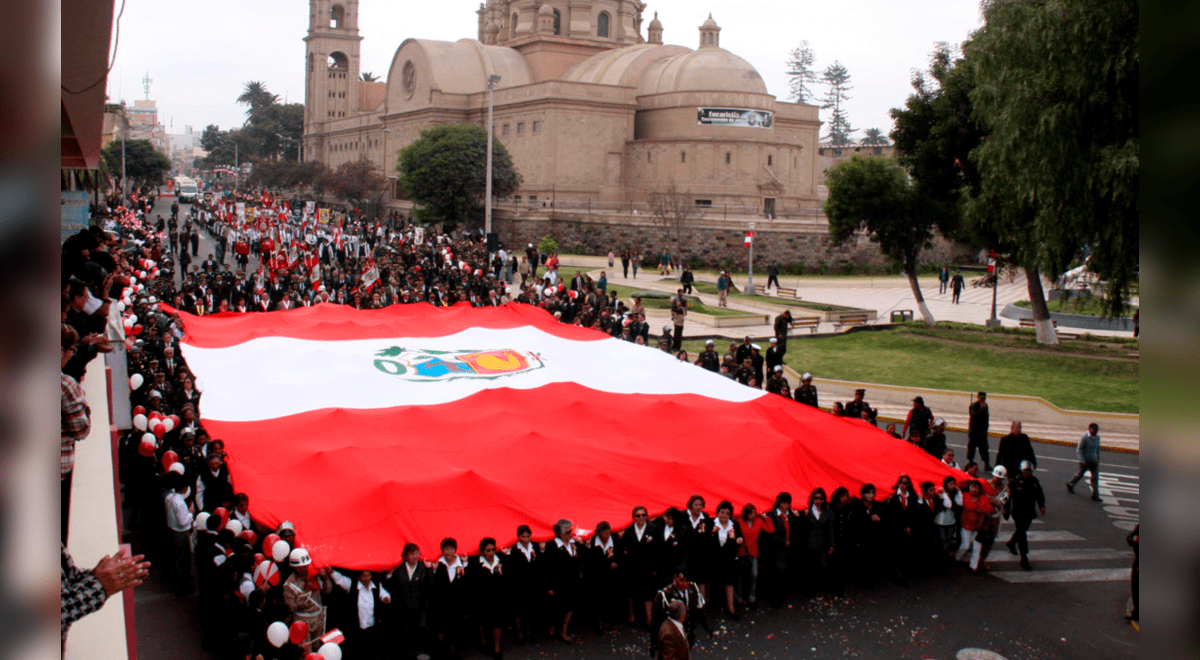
(370, 429)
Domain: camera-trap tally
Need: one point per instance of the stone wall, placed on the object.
(708, 243)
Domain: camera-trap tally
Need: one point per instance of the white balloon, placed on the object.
(277, 634)
(280, 550)
(234, 526)
(139, 422)
(168, 424)
(330, 651)
(154, 422)
(141, 287)
(176, 467)
(149, 264)
(135, 381)
(133, 319)
(120, 306)
(132, 281)
(153, 300)
(201, 520)
(150, 437)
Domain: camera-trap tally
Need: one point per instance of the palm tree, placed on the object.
(255, 95)
(874, 138)
(367, 76)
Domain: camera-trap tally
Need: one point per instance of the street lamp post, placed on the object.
(750, 273)
(487, 204)
(299, 144)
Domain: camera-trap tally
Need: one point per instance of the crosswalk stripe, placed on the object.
(1055, 535)
(1075, 575)
(1065, 554)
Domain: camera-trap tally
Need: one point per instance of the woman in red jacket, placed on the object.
(977, 508)
(753, 525)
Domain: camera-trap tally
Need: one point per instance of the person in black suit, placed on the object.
(448, 598)
(697, 525)
(669, 546)
(818, 542)
(410, 583)
(639, 543)
(488, 587)
(901, 507)
(868, 529)
(564, 577)
(601, 569)
(526, 583)
(777, 550)
(724, 541)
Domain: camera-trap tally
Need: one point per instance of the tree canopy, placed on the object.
(259, 137)
(837, 81)
(143, 163)
(801, 74)
(1056, 88)
(445, 172)
(875, 195)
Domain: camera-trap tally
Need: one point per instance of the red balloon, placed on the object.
(155, 415)
(139, 410)
(169, 458)
(174, 421)
(220, 511)
(259, 558)
(269, 542)
(249, 535)
(137, 329)
(314, 656)
(146, 448)
(298, 632)
(159, 431)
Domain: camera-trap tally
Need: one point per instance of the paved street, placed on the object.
(1069, 606)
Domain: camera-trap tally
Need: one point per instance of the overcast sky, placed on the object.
(199, 55)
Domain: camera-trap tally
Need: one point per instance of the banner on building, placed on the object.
(734, 117)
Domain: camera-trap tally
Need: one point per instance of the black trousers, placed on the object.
(65, 499)
(980, 442)
(775, 279)
(678, 343)
(1019, 537)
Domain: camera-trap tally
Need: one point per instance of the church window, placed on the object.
(504, 130)
(338, 61)
(537, 126)
(770, 161)
(520, 128)
(513, 28)
(683, 156)
(602, 24)
(557, 22)
(647, 156)
(728, 156)
(337, 16)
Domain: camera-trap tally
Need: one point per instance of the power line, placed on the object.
(116, 43)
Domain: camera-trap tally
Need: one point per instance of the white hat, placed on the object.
(1000, 471)
(708, 343)
(806, 376)
(756, 347)
(779, 367)
(774, 340)
(299, 557)
(939, 422)
(666, 328)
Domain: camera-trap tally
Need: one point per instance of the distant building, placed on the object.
(829, 155)
(185, 149)
(589, 109)
(144, 125)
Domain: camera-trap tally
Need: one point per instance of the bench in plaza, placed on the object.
(850, 320)
(810, 322)
(784, 292)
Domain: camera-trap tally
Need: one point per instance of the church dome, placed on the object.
(546, 10)
(703, 70)
(709, 22)
(655, 24)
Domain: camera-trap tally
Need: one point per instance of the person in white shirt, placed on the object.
(369, 596)
(179, 522)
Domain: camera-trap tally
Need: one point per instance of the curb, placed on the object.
(1048, 441)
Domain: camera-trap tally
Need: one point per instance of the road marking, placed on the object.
(1074, 575)
(1066, 554)
(1010, 523)
(1055, 535)
(1103, 468)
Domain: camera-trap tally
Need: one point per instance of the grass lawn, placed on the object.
(1089, 306)
(626, 293)
(711, 288)
(896, 357)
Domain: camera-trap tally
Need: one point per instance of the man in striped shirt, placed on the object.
(76, 424)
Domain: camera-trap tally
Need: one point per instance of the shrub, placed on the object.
(547, 245)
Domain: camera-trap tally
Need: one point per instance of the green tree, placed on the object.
(256, 96)
(874, 137)
(144, 165)
(801, 74)
(445, 172)
(837, 82)
(358, 182)
(367, 76)
(875, 195)
(1056, 87)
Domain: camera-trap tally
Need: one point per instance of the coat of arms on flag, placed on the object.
(430, 365)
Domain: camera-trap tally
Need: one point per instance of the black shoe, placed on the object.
(1096, 498)
(1025, 564)
(1012, 547)
(734, 616)
(1070, 487)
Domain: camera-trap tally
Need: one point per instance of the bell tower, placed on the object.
(331, 68)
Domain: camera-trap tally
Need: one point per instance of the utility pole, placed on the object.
(237, 170)
(487, 204)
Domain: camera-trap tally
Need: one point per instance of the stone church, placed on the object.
(596, 110)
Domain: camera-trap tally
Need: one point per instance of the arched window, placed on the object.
(602, 24)
(513, 28)
(338, 60)
(337, 16)
(557, 22)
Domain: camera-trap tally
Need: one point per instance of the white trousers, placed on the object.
(969, 544)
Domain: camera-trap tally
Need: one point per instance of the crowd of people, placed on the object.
(675, 571)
